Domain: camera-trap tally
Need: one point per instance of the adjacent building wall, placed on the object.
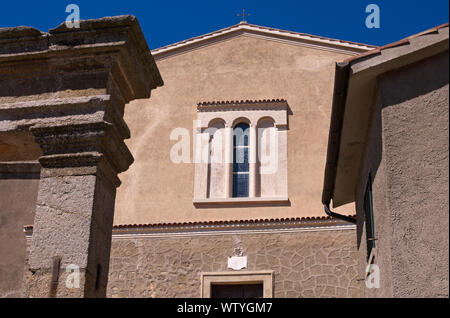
(375, 165)
(305, 263)
(18, 189)
(408, 157)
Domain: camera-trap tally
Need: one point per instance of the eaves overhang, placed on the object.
(353, 100)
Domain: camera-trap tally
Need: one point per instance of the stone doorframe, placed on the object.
(240, 277)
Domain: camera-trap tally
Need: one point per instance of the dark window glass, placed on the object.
(240, 135)
(237, 291)
(368, 214)
(240, 161)
(240, 185)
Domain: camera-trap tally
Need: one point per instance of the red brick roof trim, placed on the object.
(276, 220)
(401, 42)
(277, 100)
(303, 220)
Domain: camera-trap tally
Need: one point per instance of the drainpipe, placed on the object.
(350, 219)
(342, 73)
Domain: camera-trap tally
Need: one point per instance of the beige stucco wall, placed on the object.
(156, 190)
(304, 264)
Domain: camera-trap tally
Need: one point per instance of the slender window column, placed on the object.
(228, 160)
(252, 162)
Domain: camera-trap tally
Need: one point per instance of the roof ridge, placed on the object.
(248, 26)
(190, 39)
(311, 35)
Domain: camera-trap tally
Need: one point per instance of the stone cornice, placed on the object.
(20, 115)
(117, 42)
(81, 143)
(69, 87)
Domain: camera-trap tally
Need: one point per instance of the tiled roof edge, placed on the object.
(229, 222)
(403, 41)
(277, 100)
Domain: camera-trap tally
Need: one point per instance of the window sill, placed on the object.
(267, 201)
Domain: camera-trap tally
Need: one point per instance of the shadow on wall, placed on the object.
(405, 88)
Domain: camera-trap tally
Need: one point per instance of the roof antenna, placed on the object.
(243, 14)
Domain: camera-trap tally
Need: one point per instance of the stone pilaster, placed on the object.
(67, 89)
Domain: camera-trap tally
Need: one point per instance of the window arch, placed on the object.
(240, 120)
(241, 168)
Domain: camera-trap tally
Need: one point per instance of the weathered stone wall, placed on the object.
(305, 263)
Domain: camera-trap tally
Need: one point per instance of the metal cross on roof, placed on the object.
(243, 14)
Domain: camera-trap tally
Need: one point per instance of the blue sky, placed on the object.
(165, 21)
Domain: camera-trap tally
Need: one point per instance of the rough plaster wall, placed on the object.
(17, 207)
(415, 137)
(374, 164)
(305, 264)
(156, 190)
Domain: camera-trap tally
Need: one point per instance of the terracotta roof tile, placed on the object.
(229, 222)
(277, 100)
(251, 221)
(404, 41)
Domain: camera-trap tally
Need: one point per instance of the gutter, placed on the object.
(341, 77)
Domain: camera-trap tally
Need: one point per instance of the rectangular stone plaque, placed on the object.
(237, 262)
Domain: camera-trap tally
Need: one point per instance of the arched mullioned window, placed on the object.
(241, 171)
(254, 152)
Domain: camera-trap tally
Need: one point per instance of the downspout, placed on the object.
(341, 77)
(326, 207)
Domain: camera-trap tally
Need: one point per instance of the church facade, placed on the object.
(227, 195)
(181, 220)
